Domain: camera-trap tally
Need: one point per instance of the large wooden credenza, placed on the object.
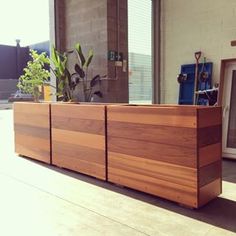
(172, 152)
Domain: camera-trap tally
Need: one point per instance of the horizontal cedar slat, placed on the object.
(179, 136)
(159, 170)
(32, 131)
(83, 139)
(37, 120)
(91, 112)
(79, 165)
(209, 173)
(209, 117)
(209, 154)
(209, 135)
(31, 108)
(78, 124)
(78, 152)
(29, 141)
(163, 116)
(148, 180)
(158, 188)
(33, 152)
(159, 152)
(209, 192)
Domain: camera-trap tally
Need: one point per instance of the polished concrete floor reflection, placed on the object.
(36, 199)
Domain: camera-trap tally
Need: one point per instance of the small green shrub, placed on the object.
(35, 75)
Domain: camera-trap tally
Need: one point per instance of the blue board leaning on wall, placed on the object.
(186, 80)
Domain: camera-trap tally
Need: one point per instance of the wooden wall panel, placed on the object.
(78, 138)
(160, 149)
(32, 130)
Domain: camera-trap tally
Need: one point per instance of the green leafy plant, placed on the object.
(35, 75)
(62, 74)
(68, 82)
(80, 76)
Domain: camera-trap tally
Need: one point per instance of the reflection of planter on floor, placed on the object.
(78, 138)
(32, 130)
(170, 151)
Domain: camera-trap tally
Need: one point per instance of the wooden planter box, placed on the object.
(169, 151)
(32, 130)
(78, 138)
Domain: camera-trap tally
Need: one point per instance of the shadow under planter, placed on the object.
(78, 138)
(32, 130)
(172, 152)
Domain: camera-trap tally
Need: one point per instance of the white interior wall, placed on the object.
(188, 26)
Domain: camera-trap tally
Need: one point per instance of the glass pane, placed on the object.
(140, 50)
(231, 139)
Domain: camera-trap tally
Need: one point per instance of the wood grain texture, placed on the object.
(179, 184)
(156, 169)
(78, 138)
(32, 130)
(78, 158)
(159, 149)
(210, 116)
(81, 138)
(209, 192)
(87, 112)
(210, 154)
(31, 119)
(90, 126)
(180, 155)
(157, 133)
(209, 135)
(154, 115)
(209, 173)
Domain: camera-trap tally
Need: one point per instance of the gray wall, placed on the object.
(94, 24)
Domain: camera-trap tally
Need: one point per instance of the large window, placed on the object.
(140, 50)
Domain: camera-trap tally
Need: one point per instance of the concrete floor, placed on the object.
(36, 199)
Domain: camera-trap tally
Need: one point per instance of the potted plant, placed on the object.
(32, 119)
(78, 130)
(68, 82)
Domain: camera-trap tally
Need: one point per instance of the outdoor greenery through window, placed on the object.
(140, 50)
